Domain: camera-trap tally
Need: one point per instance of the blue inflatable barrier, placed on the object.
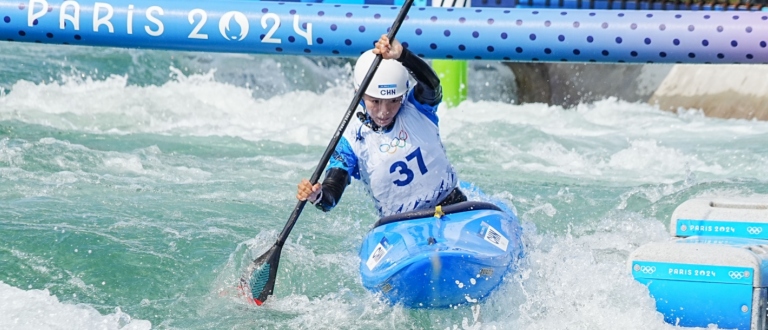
(295, 28)
(620, 4)
(634, 5)
(568, 4)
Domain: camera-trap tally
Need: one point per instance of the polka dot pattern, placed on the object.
(517, 34)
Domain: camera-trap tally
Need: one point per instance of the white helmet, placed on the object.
(390, 80)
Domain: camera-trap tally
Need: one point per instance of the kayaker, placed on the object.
(394, 146)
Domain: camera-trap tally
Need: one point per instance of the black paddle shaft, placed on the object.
(343, 125)
(261, 280)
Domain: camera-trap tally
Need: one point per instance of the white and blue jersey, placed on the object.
(404, 168)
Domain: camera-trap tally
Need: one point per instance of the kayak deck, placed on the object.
(429, 259)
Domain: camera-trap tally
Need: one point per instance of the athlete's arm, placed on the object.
(428, 91)
(341, 169)
(336, 179)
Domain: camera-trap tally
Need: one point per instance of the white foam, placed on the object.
(38, 309)
(608, 141)
(187, 105)
(579, 280)
(11, 152)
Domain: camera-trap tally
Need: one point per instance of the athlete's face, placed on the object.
(382, 111)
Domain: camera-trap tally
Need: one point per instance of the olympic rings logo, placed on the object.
(645, 269)
(754, 230)
(397, 142)
(737, 275)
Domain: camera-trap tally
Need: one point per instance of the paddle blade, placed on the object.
(259, 280)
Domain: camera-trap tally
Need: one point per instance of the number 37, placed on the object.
(401, 167)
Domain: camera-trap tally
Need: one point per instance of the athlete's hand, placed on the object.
(307, 192)
(388, 50)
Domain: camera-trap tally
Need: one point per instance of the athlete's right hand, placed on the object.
(389, 50)
(308, 192)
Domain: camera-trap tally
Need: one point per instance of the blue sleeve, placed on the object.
(428, 110)
(344, 157)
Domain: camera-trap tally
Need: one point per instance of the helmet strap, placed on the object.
(366, 119)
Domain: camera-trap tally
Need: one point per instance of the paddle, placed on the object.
(261, 275)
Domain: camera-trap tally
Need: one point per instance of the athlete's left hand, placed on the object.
(388, 50)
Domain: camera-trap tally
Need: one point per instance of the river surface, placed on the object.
(135, 185)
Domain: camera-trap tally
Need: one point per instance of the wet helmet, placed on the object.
(390, 80)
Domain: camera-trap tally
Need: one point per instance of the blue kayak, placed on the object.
(442, 257)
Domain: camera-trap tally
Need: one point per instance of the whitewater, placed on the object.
(135, 185)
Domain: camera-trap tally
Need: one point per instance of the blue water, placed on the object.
(135, 185)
